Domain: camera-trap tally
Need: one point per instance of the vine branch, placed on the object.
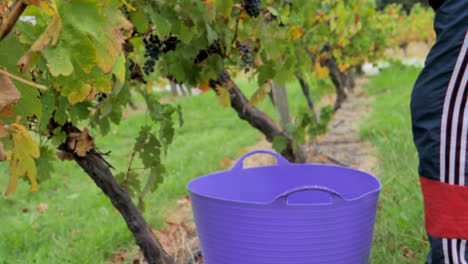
(38, 86)
(10, 20)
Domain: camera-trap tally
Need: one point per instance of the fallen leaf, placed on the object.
(81, 143)
(225, 163)
(242, 151)
(119, 257)
(42, 207)
(163, 238)
(407, 252)
(9, 95)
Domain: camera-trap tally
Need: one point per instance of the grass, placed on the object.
(80, 224)
(399, 233)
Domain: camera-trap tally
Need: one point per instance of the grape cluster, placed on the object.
(101, 96)
(247, 55)
(252, 7)
(154, 48)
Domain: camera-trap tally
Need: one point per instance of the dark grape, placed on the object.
(148, 67)
(132, 65)
(252, 7)
(101, 96)
(247, 56)
(154, 48)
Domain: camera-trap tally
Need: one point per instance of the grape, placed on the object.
(132, 65)
(148, 67)
(247, 56)
(101, 96)
(252, 7)
(154, 48)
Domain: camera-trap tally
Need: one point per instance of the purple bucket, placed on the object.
(285, 214)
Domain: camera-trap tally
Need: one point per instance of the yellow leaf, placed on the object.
(45, 6)
(343, 66)
(110, 46)
(224, 98)
(296, 32)
(79, 94)
(322, 72)
(119, 69)
(21, 158)
(243, 15)
(259, 95)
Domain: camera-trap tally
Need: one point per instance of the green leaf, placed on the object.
(45, 164)
(59, 136)
(279, 143)
(211, 35)
(119, 69)
(48, 107)
(58, 60)
(273, 11)
(140, 21)
(29, 104)
(224, 7)
(163, 27)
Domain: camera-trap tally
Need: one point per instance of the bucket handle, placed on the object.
(280, 159)
(283, 198)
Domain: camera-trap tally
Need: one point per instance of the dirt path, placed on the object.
(341, 145)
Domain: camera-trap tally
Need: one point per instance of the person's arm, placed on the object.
(436, 3)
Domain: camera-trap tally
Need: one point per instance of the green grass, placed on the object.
(399, 235)
(80, 225)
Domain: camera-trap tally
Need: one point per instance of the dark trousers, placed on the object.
(439, 112)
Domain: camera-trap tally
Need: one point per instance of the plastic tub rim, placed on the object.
(235, 201)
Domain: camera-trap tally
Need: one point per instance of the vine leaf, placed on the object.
(259, 94)
(223, 96)
(81, 142)
(322, 72)
(21, 158)
(49, 36)
(9, 95)
(296, 32)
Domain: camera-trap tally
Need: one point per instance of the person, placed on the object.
(439, 113)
